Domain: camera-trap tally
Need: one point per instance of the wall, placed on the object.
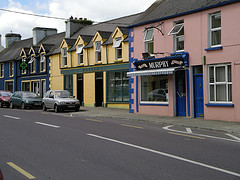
(56, 78)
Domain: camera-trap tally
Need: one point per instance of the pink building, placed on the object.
(185, 60)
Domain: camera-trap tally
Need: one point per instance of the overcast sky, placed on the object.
(96, 10)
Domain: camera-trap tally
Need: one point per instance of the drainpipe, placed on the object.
(106, 54)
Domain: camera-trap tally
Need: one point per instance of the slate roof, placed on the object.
(165, 9)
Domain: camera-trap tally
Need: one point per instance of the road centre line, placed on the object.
(202, 135)
(186, 135)
(50, 125)
(167, 155)
(29, 176)
(12, 117)
(138, 127)
(93, 120)
(234, 137)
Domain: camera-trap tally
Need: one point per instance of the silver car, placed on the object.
(59, 100)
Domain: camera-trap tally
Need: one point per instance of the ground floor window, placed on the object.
(9, 86)
(68, 83)
(220, 83)
(35, 86)
(26, 86)
(117, 90)
(43, 88)
(154, 88)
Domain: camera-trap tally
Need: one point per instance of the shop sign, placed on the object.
(158, 64)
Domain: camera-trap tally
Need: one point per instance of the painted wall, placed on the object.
(89, 87)
(56, 78)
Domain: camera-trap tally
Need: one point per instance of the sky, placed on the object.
(95, 10)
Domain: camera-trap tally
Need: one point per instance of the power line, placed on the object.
(30, 14)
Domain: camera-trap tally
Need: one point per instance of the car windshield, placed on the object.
(5, 94)
(62, 94)
(29, 95)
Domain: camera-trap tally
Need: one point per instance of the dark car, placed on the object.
(1, 175)
(25, 99)
(5, 98)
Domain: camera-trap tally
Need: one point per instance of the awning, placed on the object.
(163, 71)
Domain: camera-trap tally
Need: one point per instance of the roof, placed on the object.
(165, 9)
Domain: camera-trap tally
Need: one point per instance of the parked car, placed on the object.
(5, 98)
(25, 99)
(59, 100)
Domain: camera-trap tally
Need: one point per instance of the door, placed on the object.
(198, 95)
(180, 93)
(80, 88)
(98, 89)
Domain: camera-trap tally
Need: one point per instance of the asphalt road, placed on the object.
(47, 145)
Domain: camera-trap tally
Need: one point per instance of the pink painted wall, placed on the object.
(196, 41)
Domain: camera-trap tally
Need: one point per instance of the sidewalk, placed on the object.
(227, 127)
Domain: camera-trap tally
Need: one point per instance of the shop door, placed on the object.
(80, 88)
(198, 95)
(180, 94)
(98, 89)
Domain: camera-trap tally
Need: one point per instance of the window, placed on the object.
(2, 70)
(64, 57)
(178, 36)
(32, 64)
(154, 89)
(215, 29)
(118, 84)
(42, 63)
(118, 48)
(80, 54)
(11, 69)
(35, 86)
(26, 86)
(9, 86)
(148, 41)
(98, 51)
(220, 83)
(68, 83)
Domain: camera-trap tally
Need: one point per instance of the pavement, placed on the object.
(199, 123)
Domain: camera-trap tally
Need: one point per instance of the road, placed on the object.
(64, 146)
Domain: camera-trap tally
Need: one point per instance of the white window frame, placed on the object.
(64, 56)
(175, 30)
(79, 52)
(11, 69)
(32, 64)
(148, 40)
(42, 63)
(1, 70)
(98, 51)
(179, 25)
(118, 48)
(211, 30)
(215, 83)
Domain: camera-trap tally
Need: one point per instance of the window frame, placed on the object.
(118, 48)
(227, 83)
(64, 57)
(79, 52)
(149, 41)
(43, 63)
(98, 57)
(211, 30)
(11, 69)
(1, 70)
(32, 64)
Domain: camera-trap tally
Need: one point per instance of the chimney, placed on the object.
(12, 38)
(73, 25)
(39, 33)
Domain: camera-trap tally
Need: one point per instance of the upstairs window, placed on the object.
(64, 57)
(118, 48)
(1, 70)
(98, 51)
(80, 54)
(32, 64)
(178, 36)
(42, 63)
(215, 29)
(11, 69)
(148, 41)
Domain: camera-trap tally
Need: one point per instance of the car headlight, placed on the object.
(5, 100)
(27, 101)
(77, 102)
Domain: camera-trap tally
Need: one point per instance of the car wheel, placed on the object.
(23, 105)
(76, 109)
(56, 108)
(11, 105)
(44, 108)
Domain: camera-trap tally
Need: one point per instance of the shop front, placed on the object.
(160, 86)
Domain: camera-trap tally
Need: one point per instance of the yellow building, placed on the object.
(94, 62)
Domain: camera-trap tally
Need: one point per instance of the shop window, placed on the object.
(1, 70)
(42, 63)
(80, 54)
(68, 83)
(148, 41)
(220, 83)
(98, 51)
(215, 29)
(11, 69)
(118, 84)
(9, 86)
(154, 89)
(178, 36)
(118, 48)
(26, 86)
(35, 86)
(64, 57)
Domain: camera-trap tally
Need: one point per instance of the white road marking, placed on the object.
(12, 117)
(189, 130)
(234, 137)
(202, 135)
(167, 155)
(50, 125)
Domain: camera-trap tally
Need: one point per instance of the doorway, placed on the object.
(98, 89)
(180, 93)
(80, 88)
